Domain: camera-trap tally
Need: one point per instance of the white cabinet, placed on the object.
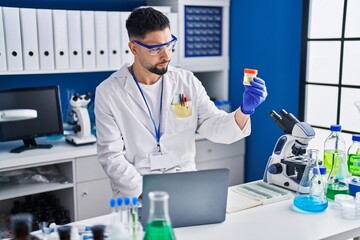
(93, 189)
(88, 168)
(93, 198)
(214, 155)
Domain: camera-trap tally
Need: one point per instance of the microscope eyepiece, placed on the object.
(76, 96)
(275, 116)
(283, 113)
(87, 96)
(286, 121)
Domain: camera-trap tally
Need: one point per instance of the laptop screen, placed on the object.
(195, 198)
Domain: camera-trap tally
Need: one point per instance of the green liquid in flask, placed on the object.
(159, 230)
(334, 189)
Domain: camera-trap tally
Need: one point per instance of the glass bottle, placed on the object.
(334, 143)
(310, 196)
(323, 176)
(336, 180)
(354, 156)
(64, 232)
(21, 226)
(159, 225)
(318, 180)
(98, 232)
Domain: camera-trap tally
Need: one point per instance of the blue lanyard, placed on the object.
(157, 130)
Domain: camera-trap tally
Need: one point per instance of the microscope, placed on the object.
(82, 126)
(288, 161)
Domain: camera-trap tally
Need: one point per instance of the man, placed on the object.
(147, 113)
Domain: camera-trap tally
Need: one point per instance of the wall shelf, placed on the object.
(13, 190)
(24, 72)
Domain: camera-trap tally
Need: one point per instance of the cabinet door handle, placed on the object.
(85, 194)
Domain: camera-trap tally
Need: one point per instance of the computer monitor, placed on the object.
(46, 101)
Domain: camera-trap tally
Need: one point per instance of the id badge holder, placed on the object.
(160, 160)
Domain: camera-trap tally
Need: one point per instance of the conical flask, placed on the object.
(336, 180)
(159, 226)
(310, 196)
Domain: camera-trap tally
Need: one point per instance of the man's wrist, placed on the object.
(245, 111)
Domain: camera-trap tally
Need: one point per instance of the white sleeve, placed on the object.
(217, 125)
(125, 179)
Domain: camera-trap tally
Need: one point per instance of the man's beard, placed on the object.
(158, 71)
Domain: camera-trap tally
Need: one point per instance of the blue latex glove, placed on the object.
(253, 96)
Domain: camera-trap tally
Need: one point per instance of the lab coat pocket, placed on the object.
(182, 119)
(182, 110)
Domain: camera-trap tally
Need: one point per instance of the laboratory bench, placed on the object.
(86, 183)
(271, 221)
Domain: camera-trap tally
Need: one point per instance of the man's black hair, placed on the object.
(145, 20)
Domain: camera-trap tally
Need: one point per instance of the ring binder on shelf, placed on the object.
(88, 39)
(126, 55)
(29, 38)
(45, 38)
(101, 40)
(61, 48)
(114, 39)
(3, 64)
(11, 18)
(75, 41)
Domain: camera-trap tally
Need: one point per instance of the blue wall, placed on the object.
(263, 34)
(266, 35)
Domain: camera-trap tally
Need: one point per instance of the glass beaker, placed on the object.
(159, 225)
(310, 196)
(336, 180)
(21, 225)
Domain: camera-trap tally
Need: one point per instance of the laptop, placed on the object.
(195, 198)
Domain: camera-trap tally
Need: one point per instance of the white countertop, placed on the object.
(272, 221)
(60, 151)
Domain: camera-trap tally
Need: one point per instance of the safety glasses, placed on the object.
(158, 48)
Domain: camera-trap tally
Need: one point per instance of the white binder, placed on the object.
(114, 46)
(74, 31)
(101, 40)
(3, 64)
(29, 38)
(61, 49)
(126, 55)
(173, 18)
(46, 40)
(88, 39)
(11, 18)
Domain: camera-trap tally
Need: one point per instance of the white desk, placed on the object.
(273, 221)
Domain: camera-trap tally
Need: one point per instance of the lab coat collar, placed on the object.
(133, 91)
(169, 89)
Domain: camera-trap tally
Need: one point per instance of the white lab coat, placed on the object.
(126, 135)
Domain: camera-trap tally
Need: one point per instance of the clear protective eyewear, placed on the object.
(158, 48)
